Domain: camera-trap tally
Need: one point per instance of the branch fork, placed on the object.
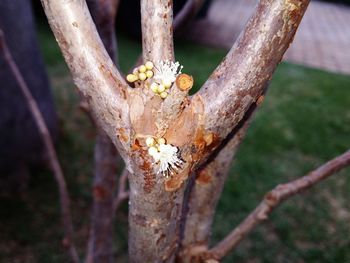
(197, 125)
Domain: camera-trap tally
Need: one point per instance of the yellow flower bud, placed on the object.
(150, 141)
(152, 150)
(142, 68)
(149, 65)
(154, 87)
(135, 71)
(142, 76)
(161, 88)
(131, 78)
(161, 141)
(149, 73)
(167, 83)
(163, 95)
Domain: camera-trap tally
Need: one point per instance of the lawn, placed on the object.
(304, 120)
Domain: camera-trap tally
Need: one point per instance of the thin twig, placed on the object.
(45, 135)
(123, 193)
(273, 199)
(188, 11)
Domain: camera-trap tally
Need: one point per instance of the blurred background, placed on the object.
(304, 121)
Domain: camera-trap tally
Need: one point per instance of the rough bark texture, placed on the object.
(273, 199)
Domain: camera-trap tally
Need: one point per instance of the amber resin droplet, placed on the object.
(184, 82)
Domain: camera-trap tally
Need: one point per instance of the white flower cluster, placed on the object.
(167, 71)
(166, 156)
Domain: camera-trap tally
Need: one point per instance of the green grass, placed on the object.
(304, 120)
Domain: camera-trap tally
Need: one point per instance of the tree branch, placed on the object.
(189, 10)
(92, 69)
(275, 198)
(104, 184)
(46, 137)
(242, 76)
(157, 30)
(204, 196)
(206, 193)
(104, 14)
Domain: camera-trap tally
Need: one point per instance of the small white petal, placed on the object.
(167, 71)
(167, 159)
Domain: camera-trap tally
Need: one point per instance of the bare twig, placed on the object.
(102, 215)
(275, 198)
(189, 10)
(123, 193)
(45, 135)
